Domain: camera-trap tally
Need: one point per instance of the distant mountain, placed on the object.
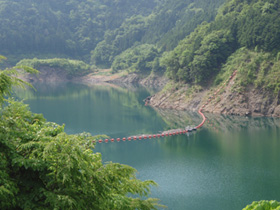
(167, 24)
(74, 28)
(69, 27)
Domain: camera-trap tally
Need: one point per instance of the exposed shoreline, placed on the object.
(252, 102)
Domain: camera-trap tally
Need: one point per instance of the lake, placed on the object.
(228, 163)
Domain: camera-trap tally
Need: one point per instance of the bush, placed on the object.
(142, 58)
(73, 68)
(263, 205)
(261, 69)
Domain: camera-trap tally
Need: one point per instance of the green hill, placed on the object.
(250, 24)
(245, 37)
(193, 43)
(96, 30)
(66, 28)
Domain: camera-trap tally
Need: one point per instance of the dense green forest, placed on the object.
(170, 22)
(188, 40)
(251, 27)
(67, 27)
(96, 30)
(250, 24)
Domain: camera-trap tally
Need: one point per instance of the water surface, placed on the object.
(227, 164)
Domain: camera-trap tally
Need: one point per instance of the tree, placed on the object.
(8, 78)
(141, 58)
(44, 168)
(214, 50)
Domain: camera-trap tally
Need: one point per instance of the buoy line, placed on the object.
(211, 98)
(174, 131)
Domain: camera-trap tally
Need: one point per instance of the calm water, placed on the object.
(227, 164)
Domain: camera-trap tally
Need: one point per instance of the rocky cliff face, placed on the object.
(47, 74)
(252, 101)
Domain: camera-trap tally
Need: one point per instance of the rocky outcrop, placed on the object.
(253, 101)
(48, 75)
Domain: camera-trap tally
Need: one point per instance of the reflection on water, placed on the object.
(107, 110)
(176, 119)
(227, 164)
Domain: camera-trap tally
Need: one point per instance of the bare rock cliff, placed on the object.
(252, 101)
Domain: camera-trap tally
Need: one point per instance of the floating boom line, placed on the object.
(172, 132)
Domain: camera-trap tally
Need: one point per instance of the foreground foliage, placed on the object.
(41, 167)
(263, 205)
(8, 78)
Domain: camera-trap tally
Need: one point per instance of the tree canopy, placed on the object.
(200, 55)
(191, 39)
(74, 28)
(168, 23)
(69, 27)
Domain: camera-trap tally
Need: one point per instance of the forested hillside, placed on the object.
(68, 27)
(169, 22)
(189, 41)
(244, 37)
(254, 25)
(74, 28)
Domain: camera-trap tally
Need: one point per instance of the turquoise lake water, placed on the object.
(228, 163)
